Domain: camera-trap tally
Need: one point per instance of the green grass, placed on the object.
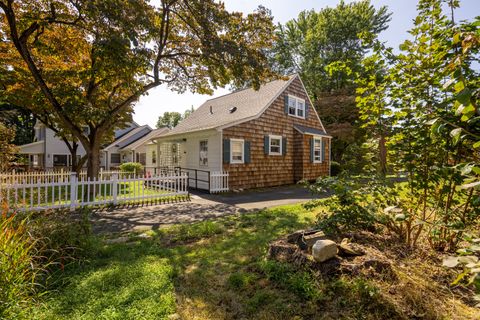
(210, 270)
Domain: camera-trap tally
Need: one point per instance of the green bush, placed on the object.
(131, 167)
(32, 248)
(349, 208)
(19, 265)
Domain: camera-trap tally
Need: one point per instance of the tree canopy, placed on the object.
(85, 63)
(325, 47)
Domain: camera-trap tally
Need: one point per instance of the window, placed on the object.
(317, 150)
(275, 145)
(296, 107)
(154, 156)
(204, 153)
(115, 158)
(60, 160)
(237, 151)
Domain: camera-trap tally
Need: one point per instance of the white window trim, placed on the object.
(270, 153)
(297, 99)
(243, 151)
(321, 149)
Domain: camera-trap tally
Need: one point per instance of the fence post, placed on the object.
(115, 187)
(73, 190)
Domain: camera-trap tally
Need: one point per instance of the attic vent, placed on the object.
(232, 109)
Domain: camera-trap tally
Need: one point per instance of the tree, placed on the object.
(21, 119)
(433, 92)
(325, 48)
(169, 119)
(8, 150)
(87, 63)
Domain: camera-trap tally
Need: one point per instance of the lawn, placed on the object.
(217, 270)
(57, 195)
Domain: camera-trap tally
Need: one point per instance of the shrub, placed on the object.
(349, 208)
(19, 266)
(131, 167)
(32, 247)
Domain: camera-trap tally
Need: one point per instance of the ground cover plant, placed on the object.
(217, 270)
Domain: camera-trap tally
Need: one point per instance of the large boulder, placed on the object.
(324, 250)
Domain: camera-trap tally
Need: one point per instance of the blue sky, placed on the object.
(162, 99)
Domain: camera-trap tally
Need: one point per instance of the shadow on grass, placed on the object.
(206, 270)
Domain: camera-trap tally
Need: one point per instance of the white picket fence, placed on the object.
(80, 191)
(53, 176)
(218, 181)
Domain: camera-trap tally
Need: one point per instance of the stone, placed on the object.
(345, 249)
(309, 240)
(324, 250)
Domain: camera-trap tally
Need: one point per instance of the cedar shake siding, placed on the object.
(263, 170)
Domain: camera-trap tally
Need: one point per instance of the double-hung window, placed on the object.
(296, 107)
(275, 145)
(317, 150)
(237, 153)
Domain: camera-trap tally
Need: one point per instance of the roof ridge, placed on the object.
(244, 89)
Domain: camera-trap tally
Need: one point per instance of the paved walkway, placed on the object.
(200, 207)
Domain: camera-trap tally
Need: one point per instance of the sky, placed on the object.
(161, 99)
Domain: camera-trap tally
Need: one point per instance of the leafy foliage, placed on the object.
(169, 119)
(325, 48)
(422, 92)
(84, 64)
(7, 149)
(131, 167)
(347, 209)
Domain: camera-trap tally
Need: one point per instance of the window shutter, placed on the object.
(284, 145)
(247, 151)
(323, 150)
(286, 103)
(307, 106)
(312, 142)
(266, 144)
(226, 151)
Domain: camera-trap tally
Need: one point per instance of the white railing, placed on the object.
(53, 176)
(80, 191)
(218, 181)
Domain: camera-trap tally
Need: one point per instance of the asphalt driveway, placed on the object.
(200, 206)
(259, 198)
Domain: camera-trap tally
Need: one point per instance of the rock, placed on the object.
(324, 250)
(117, 240)
(345, 248)
(305, 239)
(309, 240)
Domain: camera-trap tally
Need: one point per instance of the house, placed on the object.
(262, 138)
(49, 151)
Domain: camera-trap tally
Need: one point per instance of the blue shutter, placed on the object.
(286, 103)
(247, 151)
(306, 109)
(226, 150)
(323, 150)
(284, 145)
(266, 144)
(312, 142)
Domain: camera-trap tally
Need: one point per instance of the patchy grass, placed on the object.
(217, 270)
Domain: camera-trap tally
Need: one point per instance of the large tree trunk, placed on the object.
(93, 160)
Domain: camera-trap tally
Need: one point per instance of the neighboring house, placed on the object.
(49, 151)
(133, 147)
(118, 152)
(262, 138)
